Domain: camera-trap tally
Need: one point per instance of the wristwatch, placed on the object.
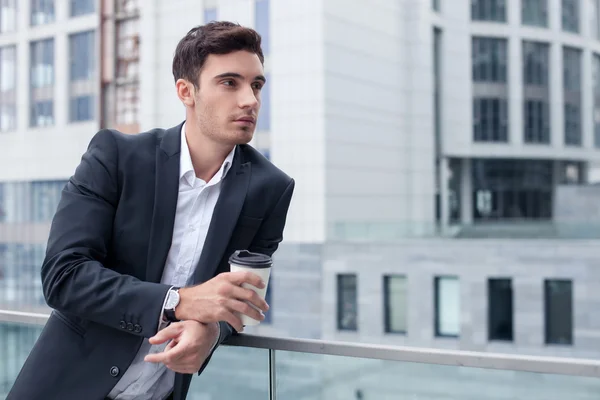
(170, 304)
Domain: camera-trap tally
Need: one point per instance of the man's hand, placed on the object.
(220, 298)
(191, 343)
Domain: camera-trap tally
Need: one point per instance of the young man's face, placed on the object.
(227, 100)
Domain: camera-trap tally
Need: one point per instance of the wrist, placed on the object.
(171, 303)
(180, 312)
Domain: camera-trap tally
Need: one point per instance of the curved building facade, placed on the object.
(519, 105)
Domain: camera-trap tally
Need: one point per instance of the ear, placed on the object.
(186, 92)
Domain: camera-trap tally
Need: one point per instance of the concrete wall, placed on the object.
(527, 262)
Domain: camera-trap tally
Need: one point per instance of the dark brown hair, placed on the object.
(220, 37)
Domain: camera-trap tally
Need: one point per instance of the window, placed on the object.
(534, 12)
(490, 120)
(489, 59)
(535, 63)
(8, 93)
(572, 95)
(8, 16)
(264, 115)
(395, 304)
(29, 201)
(512, 189)
(536, 92)
(82, 73)
(500, 309)
(261, 19)
(347, 307)
(42, 12)
(594, 16)
(210, 14)
(536, 122)
(558, 310)
(596, 113)
(570, 15)
(83, 7)
(488, 10)
(42, 83)
(447, 306)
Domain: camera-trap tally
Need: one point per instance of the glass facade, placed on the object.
(42, 83)
(210, 14)
(488, 10)
(82, 72)
(570, 15)
(261, 19)
(447, 306)
(558, 295)
(26, 209)
(500, 309)
(534, 12)
(512, 189)
(8, 91)
(347, 303)
(490, 89)
(572, 96)
(596, 111)
(8, 16)
(82, 7)
(536, 92)
(42, 12)
(395, 299)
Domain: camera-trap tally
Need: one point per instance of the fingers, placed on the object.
(231, 319)
(249, 295)
(246, 309)
(167, 356)
(240, 277)
(170, 332)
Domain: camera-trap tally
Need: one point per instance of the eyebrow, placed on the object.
(239, 76)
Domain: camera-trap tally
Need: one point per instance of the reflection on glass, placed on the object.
(347, 302)
(234, 373)
(301, 376)
(447, 306)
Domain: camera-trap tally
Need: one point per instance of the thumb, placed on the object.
(170, 332)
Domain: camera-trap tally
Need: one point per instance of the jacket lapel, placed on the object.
(165, 202)
(227, 210)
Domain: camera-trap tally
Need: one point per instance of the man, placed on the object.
(146, 214)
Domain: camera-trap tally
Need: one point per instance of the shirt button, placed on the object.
(123, 325)
(130, 326)
(137, 328)
(114, 371)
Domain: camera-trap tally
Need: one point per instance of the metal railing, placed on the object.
(458, 358)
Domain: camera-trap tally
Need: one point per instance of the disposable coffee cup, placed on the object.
(259, 264)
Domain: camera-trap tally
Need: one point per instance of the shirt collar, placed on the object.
(186, 168)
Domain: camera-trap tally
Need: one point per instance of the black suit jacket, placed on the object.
(107, 248)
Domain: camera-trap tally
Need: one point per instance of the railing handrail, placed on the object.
(457, 358)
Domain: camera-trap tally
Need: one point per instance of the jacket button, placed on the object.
(123, 325)
(114, 371)
(137, 328)
(130, 326)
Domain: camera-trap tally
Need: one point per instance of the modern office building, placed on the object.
(412, 128)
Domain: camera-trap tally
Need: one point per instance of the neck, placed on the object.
(207, 155)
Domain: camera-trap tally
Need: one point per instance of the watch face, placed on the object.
(172, 300)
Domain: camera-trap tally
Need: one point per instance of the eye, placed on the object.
(229, 82)
(257, 85)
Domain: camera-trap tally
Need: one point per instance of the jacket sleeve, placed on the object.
(266, 241)
(74, 278)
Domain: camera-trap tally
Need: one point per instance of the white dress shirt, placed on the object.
(195, 205)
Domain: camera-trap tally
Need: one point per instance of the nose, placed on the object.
(248, 98)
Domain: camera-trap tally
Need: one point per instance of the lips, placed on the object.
(250, 120)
